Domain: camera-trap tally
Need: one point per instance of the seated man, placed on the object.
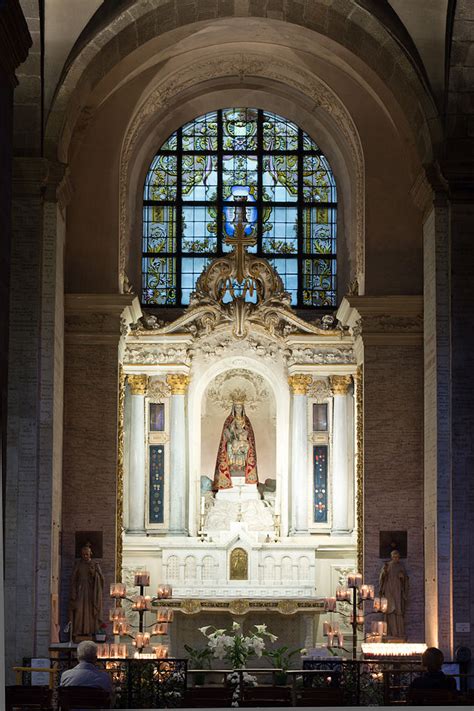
(86, 673)
(433, 678)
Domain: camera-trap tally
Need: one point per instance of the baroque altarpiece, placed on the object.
(240, 451)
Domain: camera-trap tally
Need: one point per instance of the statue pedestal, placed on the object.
(240, 491)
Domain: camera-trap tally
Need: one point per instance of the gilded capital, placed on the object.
(138, 384)
(340, 384)
(178, 383)
(300, 383)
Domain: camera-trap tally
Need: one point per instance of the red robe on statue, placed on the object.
(230, 440)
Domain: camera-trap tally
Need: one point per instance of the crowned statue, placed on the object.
(236, 455)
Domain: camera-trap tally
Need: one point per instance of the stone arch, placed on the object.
(377, 39)
(309, 94)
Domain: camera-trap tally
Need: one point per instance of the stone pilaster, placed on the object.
(136, 468)
(389, 344)
(299, 384)
(15, 42)
(91, 404)
(342, 454)
(178, 383)
(33, 486)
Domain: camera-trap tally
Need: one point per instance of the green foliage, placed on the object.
(281, 657)
(200, 657)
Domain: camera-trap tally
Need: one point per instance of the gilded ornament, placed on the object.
(178, 383)
(287, 607)
(238, 607)
(300, 383)
(191, 607)
(119, 506)
(340, 384)
(359, 398)
(238, 564)
(138, 384)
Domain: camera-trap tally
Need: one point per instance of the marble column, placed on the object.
(299, 384)
(178, 383)
(137, 474)
(342, 458)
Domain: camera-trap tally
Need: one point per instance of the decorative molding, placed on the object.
(340, 384)
(319, 390)
(156, 354)
(138, 384)
(300, 383)
(383, 320)
(242, 606)
(244, 67)
(220, 390)
(158, 388)
(320, 356)
(178, 383)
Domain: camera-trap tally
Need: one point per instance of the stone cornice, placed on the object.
(383, 320)
(37, 176)
(99, 318)
(15, 39)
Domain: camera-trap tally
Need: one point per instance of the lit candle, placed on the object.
(371, 592)
(340, 639)
(330, 603)
(383, 604)
(160, 628)
(147, 602)
(364, 592)
(138, 641)
(102, 651)
(358, 580)
(376, 604)
(326, 628)
(117, 590)
(351, 578)
(142, 577)
(161, 651)
(330, 638)
(384, 628)
(113, 653)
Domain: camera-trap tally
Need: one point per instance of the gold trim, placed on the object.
(359, 398)
(178, 383)
(119, 505)
(299, 383)
(138, 384)
(242, 606)
(340, 384)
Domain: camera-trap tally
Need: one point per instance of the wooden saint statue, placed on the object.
(236, 455)
(87, 586)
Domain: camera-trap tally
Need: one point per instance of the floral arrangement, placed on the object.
(235, 647)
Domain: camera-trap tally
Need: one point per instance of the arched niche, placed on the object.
(277, 388)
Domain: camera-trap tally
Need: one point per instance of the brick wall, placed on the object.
(393, 464)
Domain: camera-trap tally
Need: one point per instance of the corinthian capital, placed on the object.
(178, 383)
(138, 384)
(340, 384)
(299, 383)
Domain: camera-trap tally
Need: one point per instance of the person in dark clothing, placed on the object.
(433, 678)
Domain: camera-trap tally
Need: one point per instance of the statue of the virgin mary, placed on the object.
(236, 455)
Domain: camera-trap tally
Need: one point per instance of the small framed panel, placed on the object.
(92, 538)
(320, 417)
(320, 484)
(239, 564)
(156, 512)
(393, 541)
(157, 417)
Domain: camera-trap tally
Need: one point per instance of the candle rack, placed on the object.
(141, 604)
(355, 594)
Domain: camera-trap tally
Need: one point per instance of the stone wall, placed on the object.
(393, 465)
(90, 429)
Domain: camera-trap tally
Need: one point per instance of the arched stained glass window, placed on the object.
(291, 205)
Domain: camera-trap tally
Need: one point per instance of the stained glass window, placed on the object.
(189, 193)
